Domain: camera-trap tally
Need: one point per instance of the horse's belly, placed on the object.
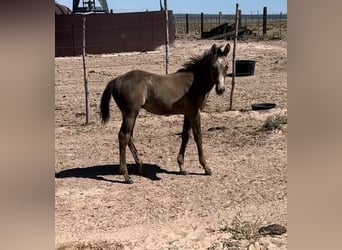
(162, 108)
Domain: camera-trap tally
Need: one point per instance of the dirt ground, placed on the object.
(94, 209)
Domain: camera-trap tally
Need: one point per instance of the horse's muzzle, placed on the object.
(219, 90)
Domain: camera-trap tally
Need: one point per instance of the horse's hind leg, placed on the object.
(125, 134)
(135, 154)
(185, 139)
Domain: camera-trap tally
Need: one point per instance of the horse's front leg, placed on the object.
(195, 122)
(185, 139)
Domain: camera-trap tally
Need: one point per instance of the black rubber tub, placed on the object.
(263, 106)
(244, 68)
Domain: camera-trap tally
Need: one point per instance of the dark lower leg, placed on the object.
(123, 165)
(185, 139)
(196, 126)
(198, 140)
(125, 135)
(135, 154)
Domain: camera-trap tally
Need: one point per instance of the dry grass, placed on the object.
(276, 122)
(244, 230)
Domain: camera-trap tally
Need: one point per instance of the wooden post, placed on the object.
(234, 49)
(202, 15)
(166, 38)
(85, 74)
(280, 24)
(273, 23)
(246, 20)
(220, 18)
(251, 21)
(264, 21)
(239, 18)
(187, 23)
(258, 22)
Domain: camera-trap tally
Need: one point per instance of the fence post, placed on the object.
(274, 27)
(246, 19)
(220, 18)
(234, 49)
(187, 23)
(166, 38)
(202, 15)
(239, 15)
(264, 21)
(280, 24)
(85, 73)
(258, 23)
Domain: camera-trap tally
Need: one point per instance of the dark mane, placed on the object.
(197, 62)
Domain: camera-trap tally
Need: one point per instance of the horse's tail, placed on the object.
(105, 100)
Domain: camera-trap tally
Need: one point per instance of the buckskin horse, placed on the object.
(183, 92)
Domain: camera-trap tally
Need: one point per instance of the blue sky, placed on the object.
(195, 6)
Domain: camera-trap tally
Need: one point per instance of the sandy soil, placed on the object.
(165, 210)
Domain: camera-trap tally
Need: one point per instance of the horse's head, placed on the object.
(219, 67)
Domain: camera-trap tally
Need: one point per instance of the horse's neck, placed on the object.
(203, 82)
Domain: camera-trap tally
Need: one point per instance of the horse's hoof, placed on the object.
(184, 172)
(208, 172)
(129, 180)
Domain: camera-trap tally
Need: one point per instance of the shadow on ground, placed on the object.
(98, 172)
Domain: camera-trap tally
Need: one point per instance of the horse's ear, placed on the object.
(213, 49)
(226, 49)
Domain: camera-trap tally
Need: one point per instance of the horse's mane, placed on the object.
(196, 62)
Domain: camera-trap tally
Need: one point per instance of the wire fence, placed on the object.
(192, 24)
